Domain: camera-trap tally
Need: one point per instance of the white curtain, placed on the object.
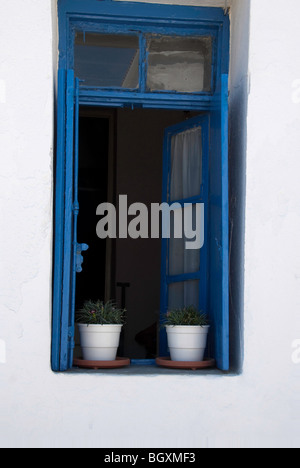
(185, 182)
(186, 164)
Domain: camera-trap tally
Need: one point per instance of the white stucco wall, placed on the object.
(272, 247)
(259, 407)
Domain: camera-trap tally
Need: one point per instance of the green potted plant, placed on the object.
(187, 331)
(100, 325)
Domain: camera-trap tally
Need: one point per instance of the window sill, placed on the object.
(149, 371)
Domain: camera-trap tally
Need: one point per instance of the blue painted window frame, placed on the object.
(141, 19)
(123, 17)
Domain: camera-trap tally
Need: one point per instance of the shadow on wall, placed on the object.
(238, 106)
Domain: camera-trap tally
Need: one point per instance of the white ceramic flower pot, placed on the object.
(187, 343)
(99, 342)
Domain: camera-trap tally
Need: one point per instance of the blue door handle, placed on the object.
(79, 258)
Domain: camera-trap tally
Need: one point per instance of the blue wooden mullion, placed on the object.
(59, 221)
(225, 223)
(184, 277)
(126, 94)
(116, 101)
(143, 63)
(68, 227)
(75, 220)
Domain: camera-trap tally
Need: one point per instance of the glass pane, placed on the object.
(186, 164)
(107, 60)
(183, 294)
(179, 64)
(181, 259)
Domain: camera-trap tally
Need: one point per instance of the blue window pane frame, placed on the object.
(125, 18)
(114, 17)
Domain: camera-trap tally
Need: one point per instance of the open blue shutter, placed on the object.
(193, 280)
(219, 231)
(216, 249)
(66, 247)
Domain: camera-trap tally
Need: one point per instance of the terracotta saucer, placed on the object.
(166, 362)
(119, 362)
